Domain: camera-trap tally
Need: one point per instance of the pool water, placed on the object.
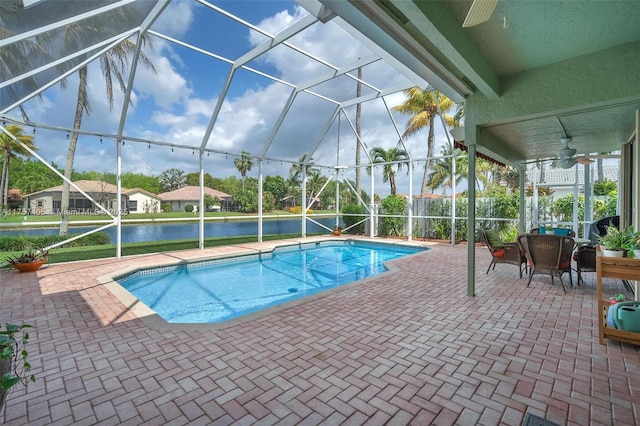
(219, 290)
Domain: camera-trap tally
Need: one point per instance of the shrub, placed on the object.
(350, 209)
(166, 208)
(25, 242)
(298, 210)
(393, 205)
(188, 208)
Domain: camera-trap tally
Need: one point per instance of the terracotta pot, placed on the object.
(29, 267)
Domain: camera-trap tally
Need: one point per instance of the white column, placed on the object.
(119, 198)
(260, 183)
(202, 206)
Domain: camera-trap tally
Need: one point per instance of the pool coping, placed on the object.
(155, 322)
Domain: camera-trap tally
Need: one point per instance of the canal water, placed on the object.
(181, 231)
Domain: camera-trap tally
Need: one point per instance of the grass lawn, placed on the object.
(54, 219)
(129, 249)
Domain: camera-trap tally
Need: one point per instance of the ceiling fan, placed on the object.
(480, 11)
(567, 156)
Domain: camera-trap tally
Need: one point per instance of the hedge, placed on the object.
(25, 242)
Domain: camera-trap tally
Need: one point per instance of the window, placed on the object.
(133, 205)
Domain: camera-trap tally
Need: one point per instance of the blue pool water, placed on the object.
(219, 290)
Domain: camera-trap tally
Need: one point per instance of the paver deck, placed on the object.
(409, 347)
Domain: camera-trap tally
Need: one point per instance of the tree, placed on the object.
(193, 179)
(244, 165)
(442, 172)
(113, 64)
(276, 185)
(303, 164)
(172, 179)
(393, 159)
(293, 185)
(138, 180)
(604, 187)
(295, 173)
(423, 106)
(10, 149)
(32, 175)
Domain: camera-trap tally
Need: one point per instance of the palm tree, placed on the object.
(244, 165)
(314, 184)
(308, 166)
(393, 159)
(293, 183)
(423, 106)
(295, 172)
(442, 171)
(11, 149)
(113, 64)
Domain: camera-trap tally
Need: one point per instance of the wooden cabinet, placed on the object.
(619, 268)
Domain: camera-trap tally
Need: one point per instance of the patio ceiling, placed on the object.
(533, 71)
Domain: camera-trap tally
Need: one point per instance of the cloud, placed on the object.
(175, 104)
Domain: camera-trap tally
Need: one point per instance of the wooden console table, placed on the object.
(621, 268)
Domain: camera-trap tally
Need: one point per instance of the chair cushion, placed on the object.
(575, 256)
(498, 253)
(493, 239)
(561, 231)
(565, 264)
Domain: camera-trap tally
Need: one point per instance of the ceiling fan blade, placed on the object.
(480, 11)
(584, 160)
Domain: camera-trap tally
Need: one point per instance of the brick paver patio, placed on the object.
(407, 347)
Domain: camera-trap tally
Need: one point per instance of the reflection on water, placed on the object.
(181, 231)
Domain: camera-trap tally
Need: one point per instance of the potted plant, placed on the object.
(30, 260)
(14, 367)
(635, 248)
(616, 242)
(337, 230)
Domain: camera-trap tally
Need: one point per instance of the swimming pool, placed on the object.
(219, 290)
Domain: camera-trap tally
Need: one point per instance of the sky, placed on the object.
(175, 104)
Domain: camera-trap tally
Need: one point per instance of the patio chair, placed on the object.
(570, 232)
(548, 254)
(585, 258)
(502, 252)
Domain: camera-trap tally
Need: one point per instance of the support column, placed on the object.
(523, 201)
(588, 200)
(119, 198)
(202, 206)
(410, 204)
(260, 192)
(471, 218)
(303, 203)
(453, 193)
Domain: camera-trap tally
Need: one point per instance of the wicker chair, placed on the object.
(548, 254)
(503, 252)
(585, 258)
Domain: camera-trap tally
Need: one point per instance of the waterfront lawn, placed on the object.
(129, 249)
